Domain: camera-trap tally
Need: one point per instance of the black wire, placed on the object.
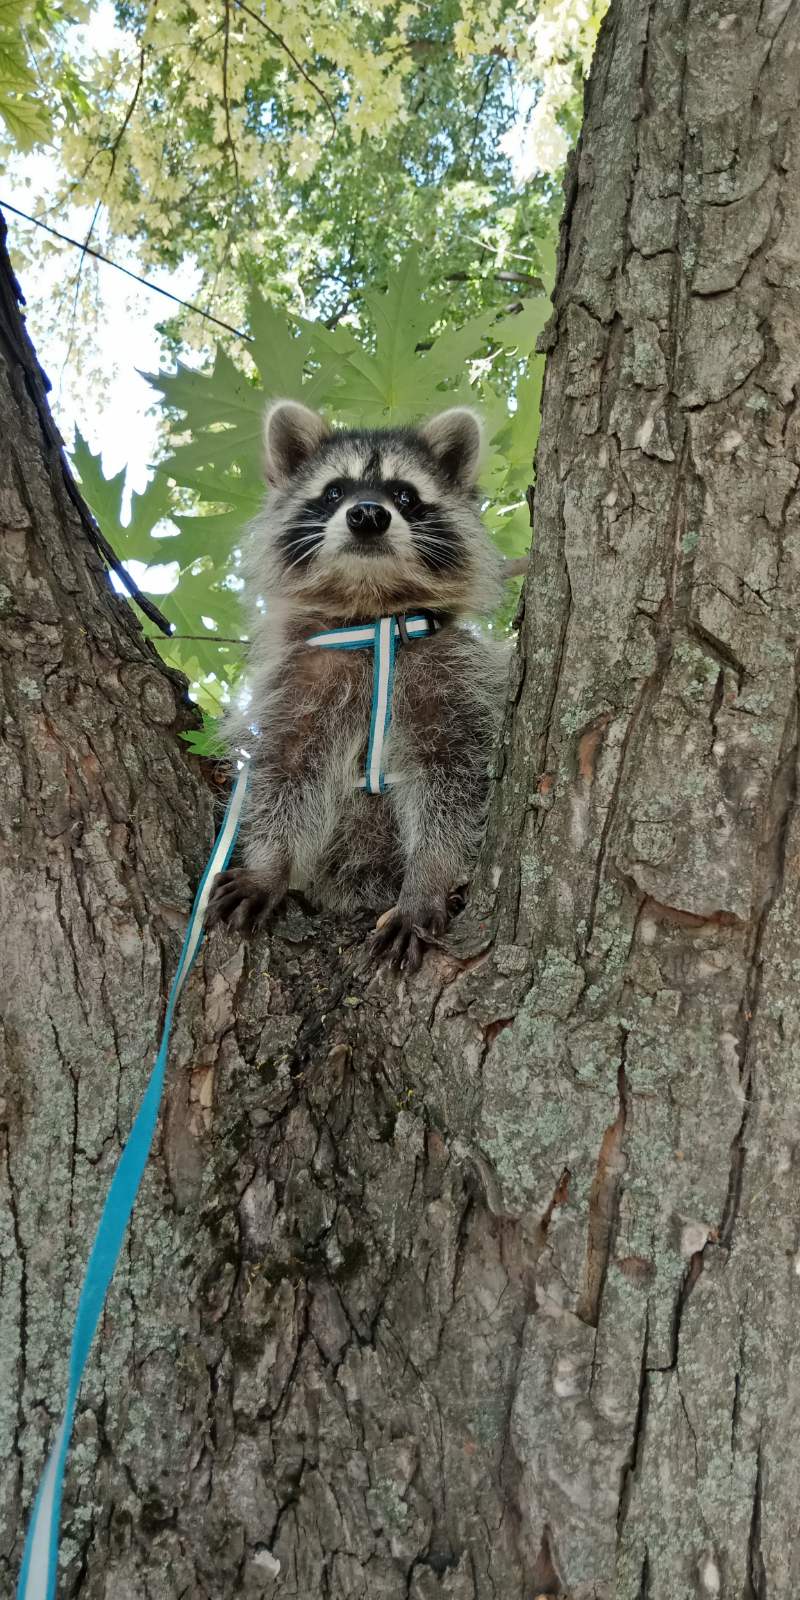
(88, 251)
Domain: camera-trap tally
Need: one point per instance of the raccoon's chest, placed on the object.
(337, 722)
(330, 722)
(371, 739)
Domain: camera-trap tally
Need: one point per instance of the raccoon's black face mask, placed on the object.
(376, 510)
(371, 495)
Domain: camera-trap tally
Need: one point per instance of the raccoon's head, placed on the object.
(365, 521)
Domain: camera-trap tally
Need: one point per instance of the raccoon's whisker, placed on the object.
(434, 528)
(301, 555)
(300, 532)
(305, 555)
(315, 536)
(304, 538)
(434, 542)
(440, 553)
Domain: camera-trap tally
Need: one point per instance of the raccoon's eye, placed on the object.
(333, 493)
(404, 497)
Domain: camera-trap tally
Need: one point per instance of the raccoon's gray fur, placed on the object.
(310, 568)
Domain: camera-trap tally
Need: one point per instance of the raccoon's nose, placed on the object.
(368, 517)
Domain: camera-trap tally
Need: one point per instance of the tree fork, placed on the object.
(484, 1285)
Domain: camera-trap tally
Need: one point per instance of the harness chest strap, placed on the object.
(382, 638)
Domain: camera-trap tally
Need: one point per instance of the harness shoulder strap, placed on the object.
(383, 638)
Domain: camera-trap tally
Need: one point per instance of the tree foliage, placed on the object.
(40, 87)
(301, 148)
(405, 362)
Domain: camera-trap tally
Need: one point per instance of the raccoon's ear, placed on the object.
(456, 439)
(291, 434)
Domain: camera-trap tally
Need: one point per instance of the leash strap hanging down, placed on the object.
(37, 1580)
(382, 637)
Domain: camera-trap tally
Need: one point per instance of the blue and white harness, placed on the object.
(382, 637)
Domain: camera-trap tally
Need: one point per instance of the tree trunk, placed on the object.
(482, 1286)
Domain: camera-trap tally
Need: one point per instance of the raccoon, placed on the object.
(361, 525)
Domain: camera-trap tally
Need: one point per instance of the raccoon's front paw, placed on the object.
(403, 933)
(245, 900)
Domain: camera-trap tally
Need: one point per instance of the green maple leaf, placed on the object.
(401, 319)
(15, 74)
(213, 534)
(223, 411)
(148, 509)
(202, 594)
(279, 353)
(520, 331)
(219, 488)
(223, 394)
(510, 528)
(388, 385)
(103, 495)
(27, 121)
(547, 251)
(451, 352)
(205, 741)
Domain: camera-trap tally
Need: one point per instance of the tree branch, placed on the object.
(292, 57)
(516, 566)
(226, 99)
(476, 126)
(38, 385)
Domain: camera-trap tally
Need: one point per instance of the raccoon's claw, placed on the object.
(403, 935)
(242, 899)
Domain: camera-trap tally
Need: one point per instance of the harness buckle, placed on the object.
(431, 620)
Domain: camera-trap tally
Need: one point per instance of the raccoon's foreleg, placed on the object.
(246, 897)
(440, 814)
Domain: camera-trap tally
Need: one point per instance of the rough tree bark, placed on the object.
(487, 1285)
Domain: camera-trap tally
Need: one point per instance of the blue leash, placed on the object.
(37, 1580)
(382, 637)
